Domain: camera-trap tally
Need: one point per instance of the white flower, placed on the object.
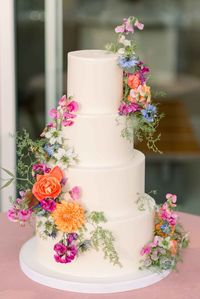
(65, 156)
(127, 42)
(121, 39)
(54, 136)
(60, 153)
(121, 51)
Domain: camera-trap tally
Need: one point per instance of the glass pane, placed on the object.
(30, 66)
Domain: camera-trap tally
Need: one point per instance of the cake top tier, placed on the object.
(94, 54)
(95, 81)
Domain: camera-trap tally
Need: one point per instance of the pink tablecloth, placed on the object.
(184, 284)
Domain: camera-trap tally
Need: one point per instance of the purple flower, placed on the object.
(143, 71)
(41, 168)
(127, 63)
(48, 205)
(64, 181)
(149, 113)
(72, 237)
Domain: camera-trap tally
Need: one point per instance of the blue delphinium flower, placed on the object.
(149, 113)
(127, 63)
(165, 228)
(49, 150)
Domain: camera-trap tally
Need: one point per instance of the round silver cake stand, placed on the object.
(43, 275)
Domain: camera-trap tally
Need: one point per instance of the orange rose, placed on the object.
(48, 185)
(134, 81)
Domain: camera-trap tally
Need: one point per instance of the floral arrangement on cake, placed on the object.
(164, 251)
(141, 114)
(47, 196)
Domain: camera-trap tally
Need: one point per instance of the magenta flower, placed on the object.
(53, 113)
(75, 192)
(72, 106)
(40, 168)
(51, 125)
(146, 249)
(48, 205)
(65, 254)
(125, 109)
(67, 123)
(60, 248)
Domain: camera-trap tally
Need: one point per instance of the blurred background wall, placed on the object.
(169, 44)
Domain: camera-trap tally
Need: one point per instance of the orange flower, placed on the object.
(134, 81)
(48, 185)
(173, 247)
(68, 216)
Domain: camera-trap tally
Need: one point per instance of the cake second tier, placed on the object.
(97, 140)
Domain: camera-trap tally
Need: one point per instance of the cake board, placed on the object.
(40, 274)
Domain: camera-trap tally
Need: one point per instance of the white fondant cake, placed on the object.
(110, 173)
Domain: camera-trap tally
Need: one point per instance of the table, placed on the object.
(184, 284)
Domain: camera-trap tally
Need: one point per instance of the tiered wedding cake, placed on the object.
(110, 172)
(94, 222)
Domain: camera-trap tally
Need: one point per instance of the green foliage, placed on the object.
(103, 239)
(97, 217)
(143, 130)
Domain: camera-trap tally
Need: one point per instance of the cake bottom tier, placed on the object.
(130, 234)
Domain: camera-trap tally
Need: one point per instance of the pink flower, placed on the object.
(53, 113)
(146, 249)
(139, 25)
(48, 205)
(125, 27)
(128, 26)
(68, 115)
(75, 192)
(155, 241)
(24, 215)
(67, 123)
(172, 198)
(12, 214)
(62, 101)
(72, 106)
(119, 29)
